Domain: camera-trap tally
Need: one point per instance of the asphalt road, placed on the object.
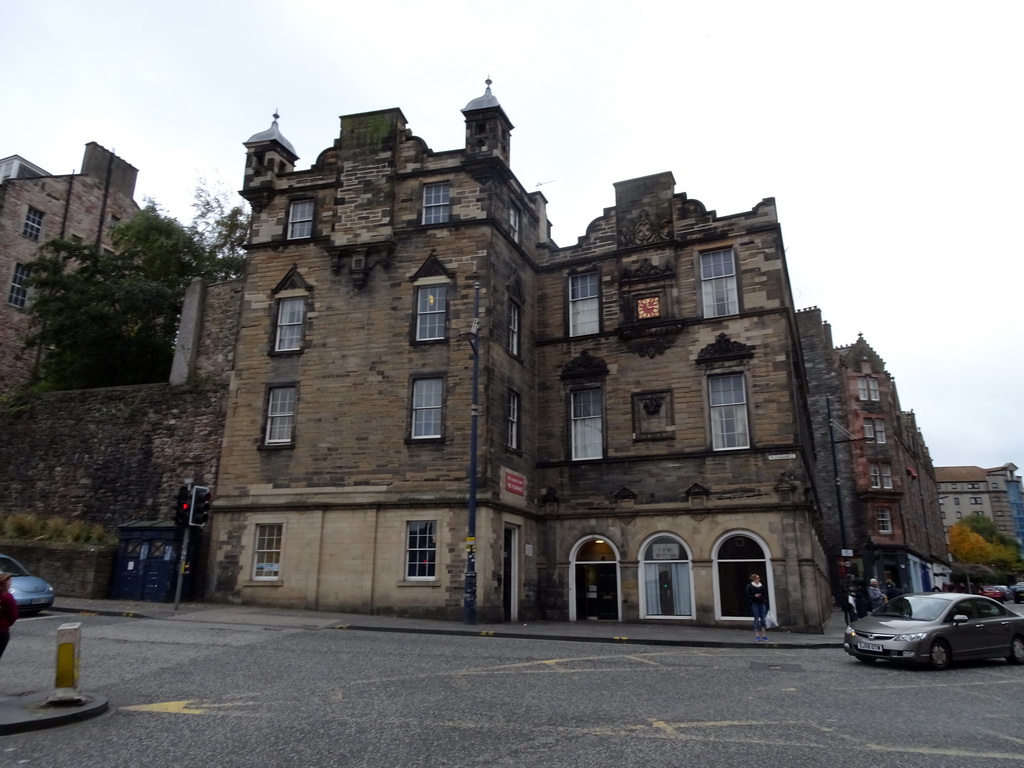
(205, 694)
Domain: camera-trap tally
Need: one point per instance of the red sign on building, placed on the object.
(515, 483)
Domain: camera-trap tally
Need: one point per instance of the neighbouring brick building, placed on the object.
(875, 475)
(36, 206)
(642, 433)
(994, 493)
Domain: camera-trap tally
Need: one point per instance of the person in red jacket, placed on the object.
(8, 611)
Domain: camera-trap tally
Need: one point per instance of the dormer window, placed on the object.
(291, 314)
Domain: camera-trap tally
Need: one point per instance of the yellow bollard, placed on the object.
(69, 640)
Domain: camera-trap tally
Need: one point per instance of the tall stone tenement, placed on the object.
(642, 440)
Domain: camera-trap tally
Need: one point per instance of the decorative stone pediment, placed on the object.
(292, 280)
(584, 365)
(432, 267)
(697, 490)
(624, 493)
(515, 290)
(724, 348)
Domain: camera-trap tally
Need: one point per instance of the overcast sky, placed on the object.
(890, 134)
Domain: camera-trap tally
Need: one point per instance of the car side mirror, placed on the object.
(960, 618)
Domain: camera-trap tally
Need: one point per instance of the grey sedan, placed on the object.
(934, 628)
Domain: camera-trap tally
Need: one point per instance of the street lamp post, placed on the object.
(469, 596)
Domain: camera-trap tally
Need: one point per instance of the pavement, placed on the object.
(38, 711)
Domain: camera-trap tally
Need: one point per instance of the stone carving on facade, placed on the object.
(362, 259)
(724, 348)
(645, 231)
(645, 270)
(652, 347)
(584, 365)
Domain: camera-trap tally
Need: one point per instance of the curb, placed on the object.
(32, 713)
(429, 630)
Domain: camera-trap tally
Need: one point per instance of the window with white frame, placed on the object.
(666, 578)
(427, 398)
(718, 283)
(874, 430)
(512, 433)
(514, 315)
(513, 222)
(587, 424)
(300, 219)
(33, 224)
(421, 550)
(436, 203)
(18, 295)
(431, 312)
(973, 486)
(583, 304)
(291, 314)
(280, 415)
(884, 517)
(881, 475)
(867, 388)
(728, 401)
(976, 500)
(267, 558)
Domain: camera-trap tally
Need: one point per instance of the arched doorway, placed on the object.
(665, 578)
(595, 581)
(737, 555)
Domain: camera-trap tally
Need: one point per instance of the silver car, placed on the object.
(31, 593)
(935, 628)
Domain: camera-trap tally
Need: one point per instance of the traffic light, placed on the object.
(200, 509)
(183, 507)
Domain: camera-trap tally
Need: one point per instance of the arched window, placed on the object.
(666, 578)
(737, 556)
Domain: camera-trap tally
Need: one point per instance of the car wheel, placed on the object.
(939, 655)
(867, 659)
(1016, 651)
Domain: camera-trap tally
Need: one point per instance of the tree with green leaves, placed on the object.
(99, 319)
(104, 319)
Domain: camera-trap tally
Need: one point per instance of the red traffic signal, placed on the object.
(183, 507)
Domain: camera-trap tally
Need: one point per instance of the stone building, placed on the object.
(994, 493)
(875, 475)
(36, 206)
(634, 405)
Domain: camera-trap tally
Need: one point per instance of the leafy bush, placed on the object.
(56, 529)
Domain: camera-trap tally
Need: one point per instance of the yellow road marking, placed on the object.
(189, 707)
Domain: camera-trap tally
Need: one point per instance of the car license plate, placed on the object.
(869, 647)
(40, 600)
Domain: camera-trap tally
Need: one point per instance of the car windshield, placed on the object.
(915, 607)
(12, 567)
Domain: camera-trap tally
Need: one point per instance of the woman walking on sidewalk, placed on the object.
(757, 596)
(8, 611)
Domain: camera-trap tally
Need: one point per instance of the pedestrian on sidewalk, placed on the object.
(8, 611)
(875, 595)
(757, 596)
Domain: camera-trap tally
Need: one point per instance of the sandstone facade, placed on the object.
(642, 437)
